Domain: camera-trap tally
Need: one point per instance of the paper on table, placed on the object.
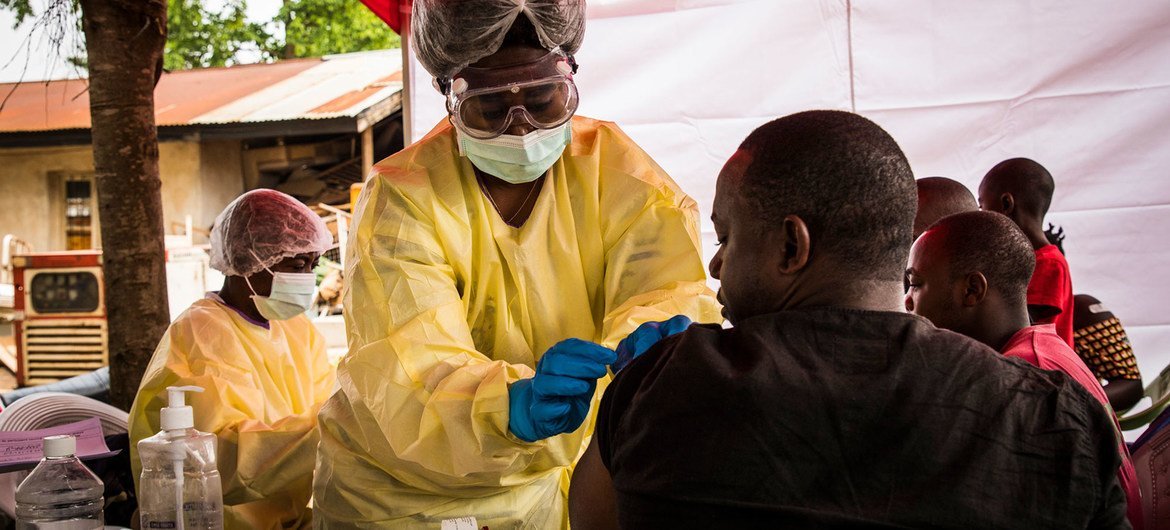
(23, 449)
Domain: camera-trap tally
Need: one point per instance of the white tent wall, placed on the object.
(1081, 87)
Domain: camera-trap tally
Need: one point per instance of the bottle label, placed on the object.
(196, 514)
(200, 506)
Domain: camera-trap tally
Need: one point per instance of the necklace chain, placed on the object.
(483, 188)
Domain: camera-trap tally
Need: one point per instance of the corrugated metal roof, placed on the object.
(299, 89)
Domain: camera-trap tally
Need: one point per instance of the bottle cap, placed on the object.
(59, 446)
(177, 414)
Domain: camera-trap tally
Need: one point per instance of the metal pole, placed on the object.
(407, 75)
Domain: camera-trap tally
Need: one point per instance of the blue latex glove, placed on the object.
(647, 335)
(557, 399)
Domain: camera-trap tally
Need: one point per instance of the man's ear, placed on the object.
(974, 289)
(795, 245)
(1007, 203)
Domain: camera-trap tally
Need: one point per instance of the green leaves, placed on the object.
(21, 8)
(320, 27)
(199, 37)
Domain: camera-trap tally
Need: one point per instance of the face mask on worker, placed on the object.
(517, 159)
(291, 295)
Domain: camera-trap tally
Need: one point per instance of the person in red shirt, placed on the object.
(969, 273)
(1021, 189)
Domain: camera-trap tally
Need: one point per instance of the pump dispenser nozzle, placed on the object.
(177, 415)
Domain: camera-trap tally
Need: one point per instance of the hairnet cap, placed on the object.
(262, 227)
(448, 35)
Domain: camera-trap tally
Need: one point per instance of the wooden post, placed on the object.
(367, 151)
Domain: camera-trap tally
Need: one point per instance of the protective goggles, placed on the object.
(485, 102)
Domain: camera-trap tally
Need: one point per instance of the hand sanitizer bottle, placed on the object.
(180, 486)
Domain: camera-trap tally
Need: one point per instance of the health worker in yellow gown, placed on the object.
(481, 260)
(261, 362)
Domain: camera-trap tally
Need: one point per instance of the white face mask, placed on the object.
(292, 295)
(517, 159)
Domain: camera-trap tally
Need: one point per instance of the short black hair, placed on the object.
(845, 177)
(939, 197)
(991, 244)
(1028, 182)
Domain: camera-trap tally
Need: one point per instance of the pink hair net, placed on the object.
(262, 227)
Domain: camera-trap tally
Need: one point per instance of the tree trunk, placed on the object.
(124, 40)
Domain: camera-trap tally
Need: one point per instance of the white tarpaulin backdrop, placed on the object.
(1081, 87)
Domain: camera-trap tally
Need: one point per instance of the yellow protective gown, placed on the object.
(263, 389)
(447, 305)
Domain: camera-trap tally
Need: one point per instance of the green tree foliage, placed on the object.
(200, 37)
(20, 8)
(320, 27)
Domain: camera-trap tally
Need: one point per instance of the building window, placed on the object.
(79, 213)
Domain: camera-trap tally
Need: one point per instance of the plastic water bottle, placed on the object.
(180, 486)
(60, 493)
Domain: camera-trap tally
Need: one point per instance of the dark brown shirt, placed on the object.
(845, 418)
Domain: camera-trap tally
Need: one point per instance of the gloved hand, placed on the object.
(557, 399)
(647, 335)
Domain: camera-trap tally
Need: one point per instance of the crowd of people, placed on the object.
(532, 341)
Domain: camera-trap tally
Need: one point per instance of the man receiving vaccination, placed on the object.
(826, 405)
(261, 363)
(485, 262)
(969, 273)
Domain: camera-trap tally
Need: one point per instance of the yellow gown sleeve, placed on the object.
(645, 270)
(413, 372)
(654, 265)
